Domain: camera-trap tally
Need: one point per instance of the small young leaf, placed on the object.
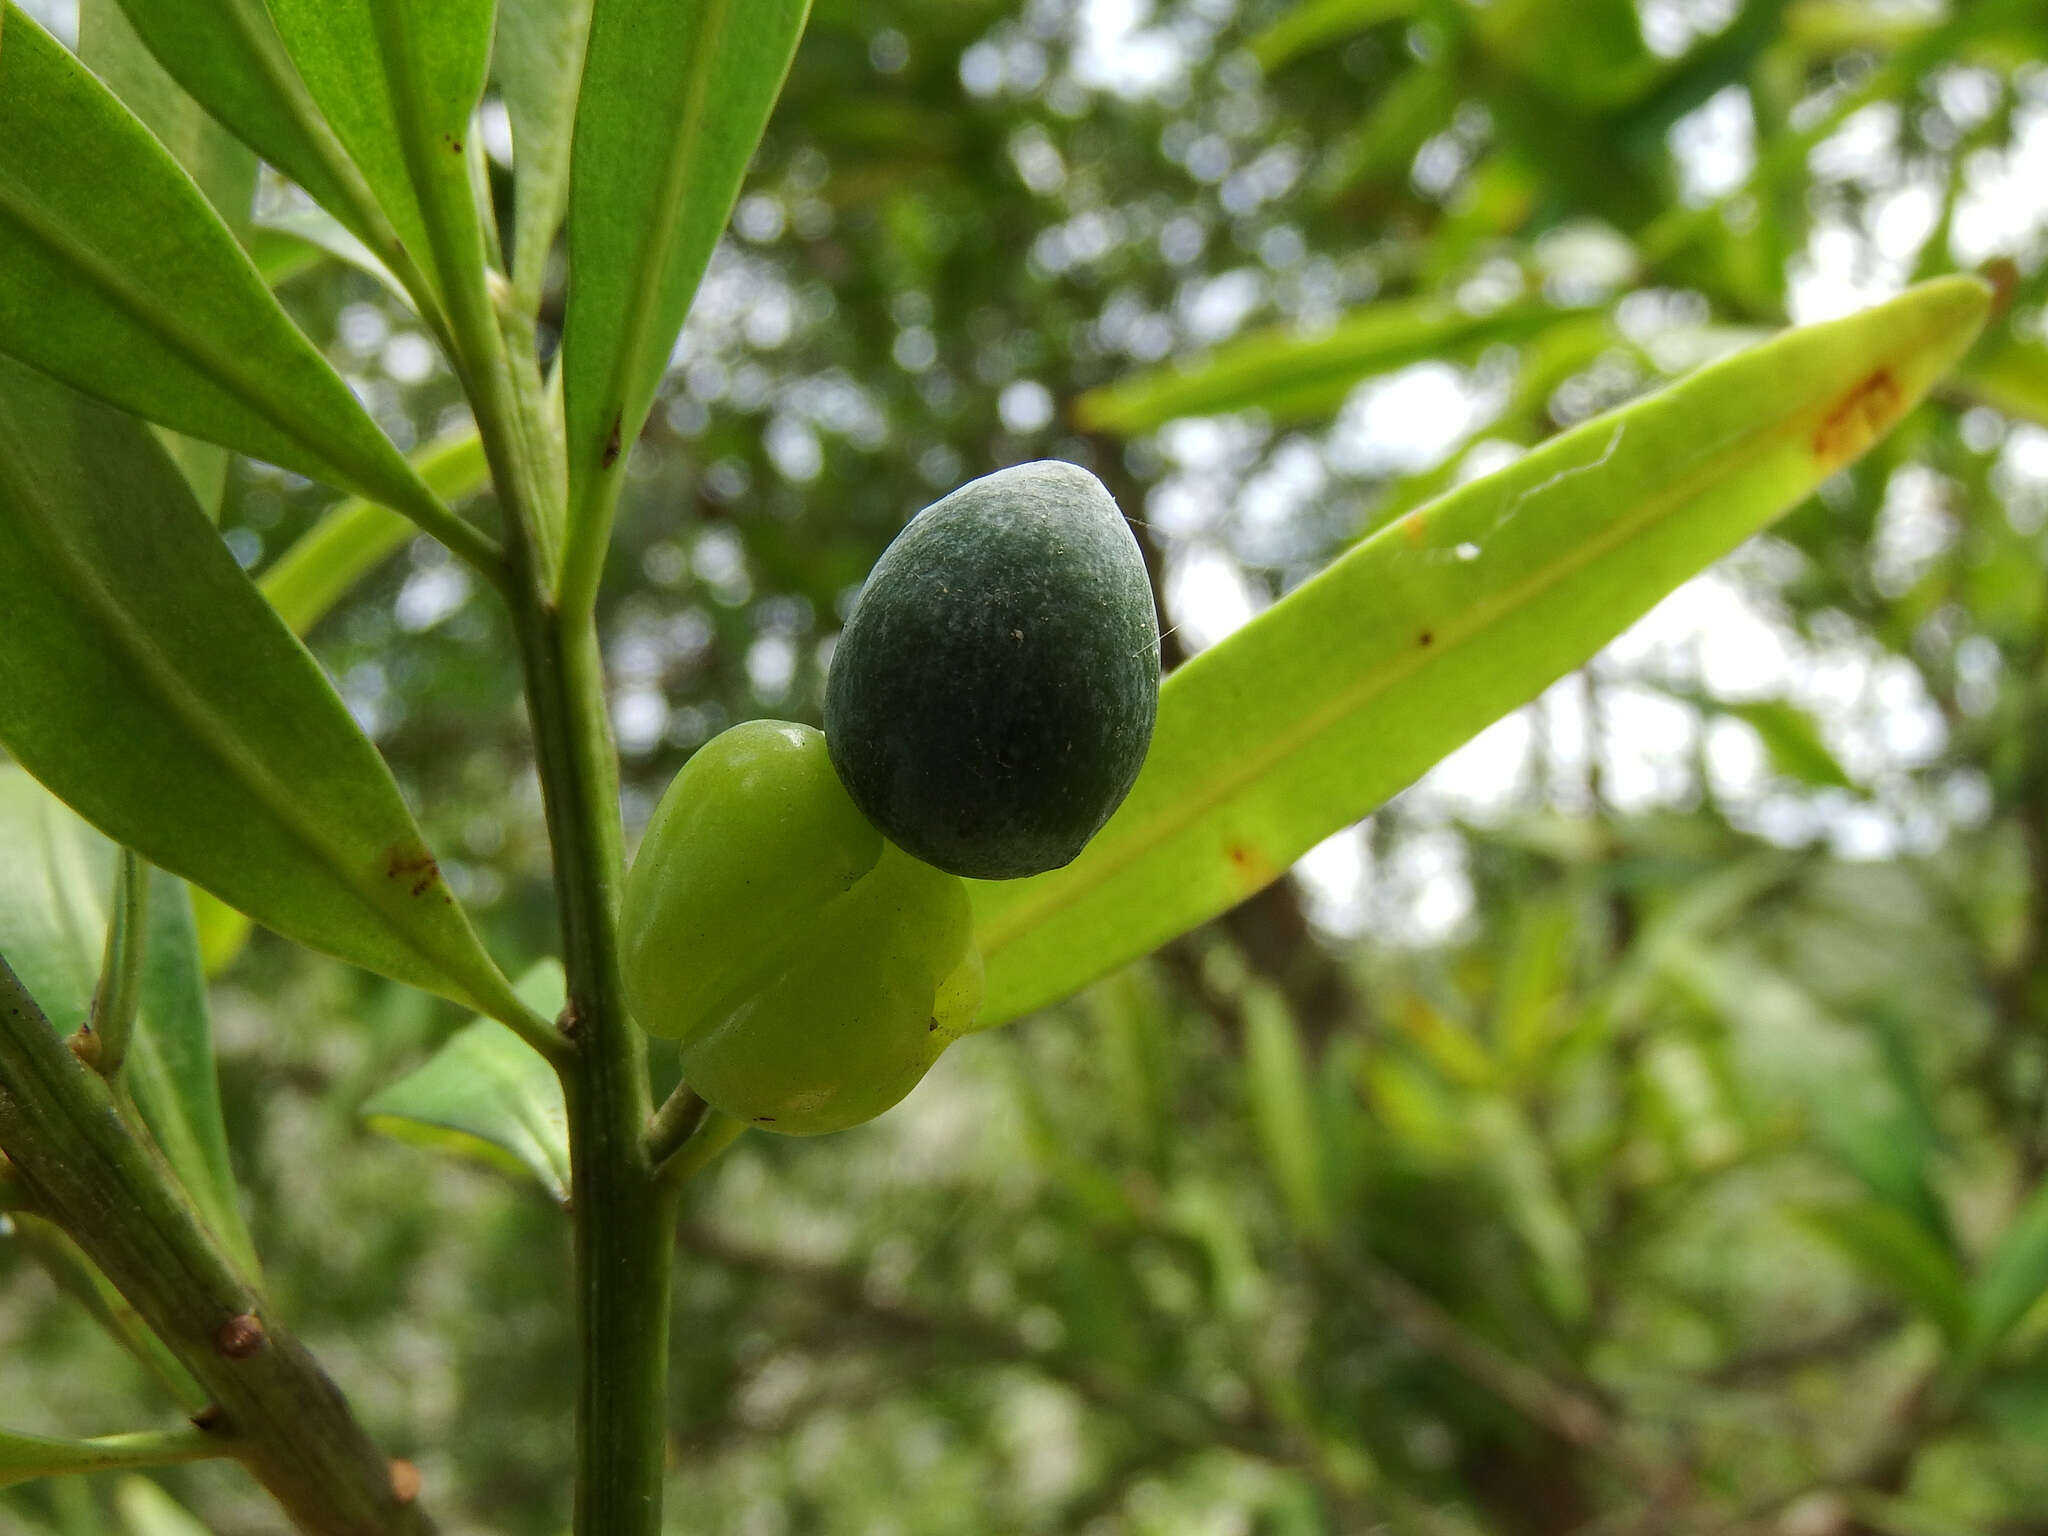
(674, 99)
(117, 277)
(399, 81)
(540, 66)
(147, 682)
(487, 1094)
(1354, 683)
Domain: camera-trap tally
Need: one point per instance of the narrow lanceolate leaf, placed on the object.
(486, 1094)
(1289, 375)
(674, 100)
(1344, 691)
(53, 894)
(118, 277)
(399, 81)
(540, 65)
(222, 165)
(228, 55)
(144, 679)
(24, 1458)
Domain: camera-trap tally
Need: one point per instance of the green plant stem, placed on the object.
(109, 1453)
(111, 1023)
(115, 1198)
(623, 1213)
(674, 1123)
(714, 1133)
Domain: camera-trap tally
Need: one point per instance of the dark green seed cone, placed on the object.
(991, 698)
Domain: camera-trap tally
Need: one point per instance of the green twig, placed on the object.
(622, 1212)
(674, 1123)
(103, 1038)
(23, 1457)
(714, 1133)
(117, 1200)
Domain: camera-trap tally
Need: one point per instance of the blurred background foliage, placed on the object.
(1639, 1126)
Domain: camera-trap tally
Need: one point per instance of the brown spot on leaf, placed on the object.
(405, 1480)
(415, 866)
(240, 1336)
(611, 445)
(1425, 638)
(1250, 866)
(1858, 419)
(764, 1119)
(210, 1418)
